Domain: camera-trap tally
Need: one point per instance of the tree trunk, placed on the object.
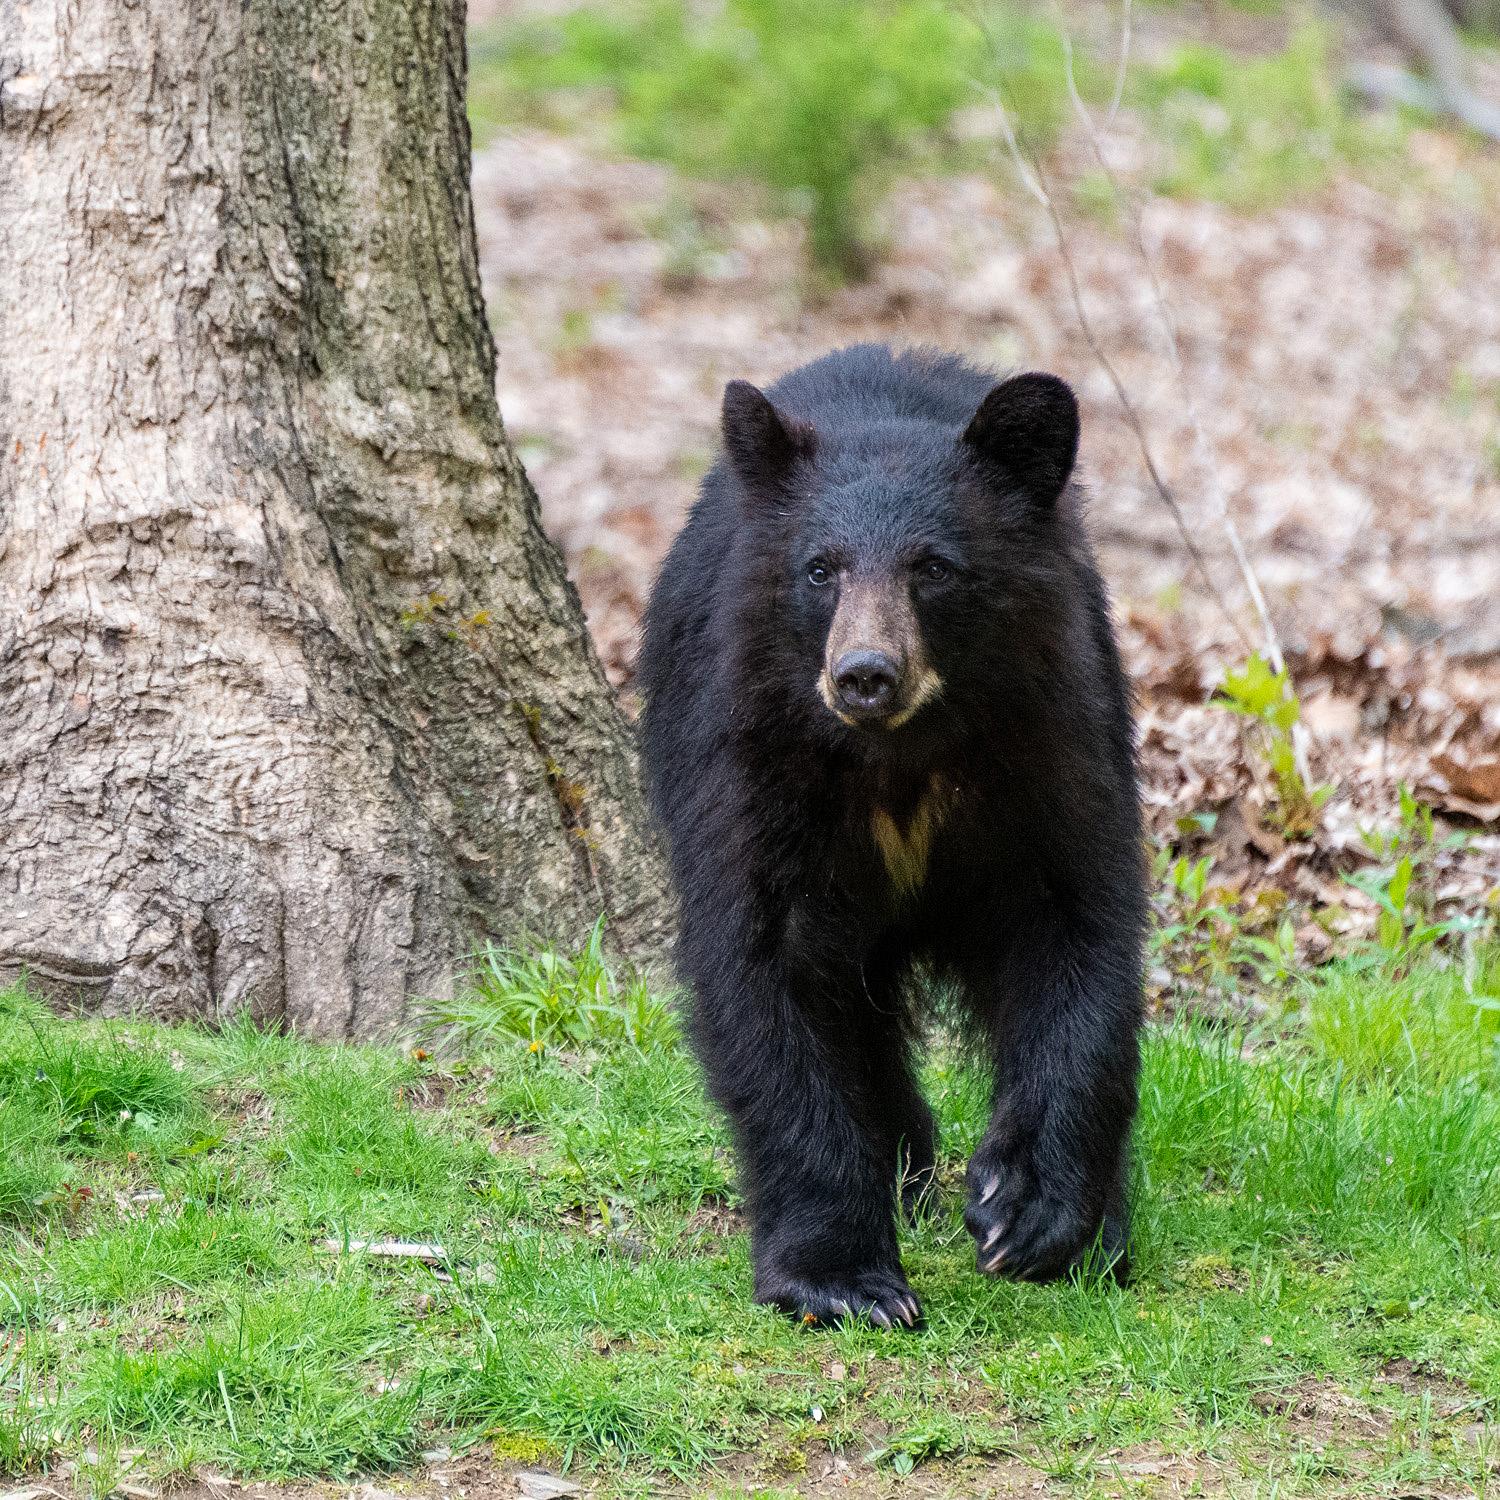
(1425, 31)
(296, 702)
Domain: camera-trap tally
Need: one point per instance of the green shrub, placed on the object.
(1249, 131)
(819, 103)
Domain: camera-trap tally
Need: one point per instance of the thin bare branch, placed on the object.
(1118, 92)
(1033, 179)
(1207, 455)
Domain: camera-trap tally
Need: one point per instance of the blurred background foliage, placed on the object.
(819, 106)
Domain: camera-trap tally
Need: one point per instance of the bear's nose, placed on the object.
(866, 681)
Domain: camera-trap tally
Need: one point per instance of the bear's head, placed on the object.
(905, 562)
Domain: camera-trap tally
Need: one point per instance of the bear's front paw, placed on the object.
(1020, 1229)
(882, 1296)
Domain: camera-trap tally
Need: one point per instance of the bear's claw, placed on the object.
(1021, 1230)
(881, 1296)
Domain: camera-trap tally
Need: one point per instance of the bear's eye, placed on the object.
(818, 573)
(935, 568)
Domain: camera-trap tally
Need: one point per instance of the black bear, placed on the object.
(887, 735)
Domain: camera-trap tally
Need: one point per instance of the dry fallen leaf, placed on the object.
(1472, 788)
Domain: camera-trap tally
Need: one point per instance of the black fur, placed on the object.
(797, 943)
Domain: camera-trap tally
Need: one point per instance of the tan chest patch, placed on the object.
(905, 849)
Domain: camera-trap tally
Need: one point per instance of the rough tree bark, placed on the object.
(296, 701)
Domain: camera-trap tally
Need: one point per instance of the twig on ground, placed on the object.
(431, 1255)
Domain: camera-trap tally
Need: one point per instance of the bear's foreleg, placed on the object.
(820, 1137)
(1046, 1187)
(901, 1116)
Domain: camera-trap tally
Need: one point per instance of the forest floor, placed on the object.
(1339, 340)
(240, 1264)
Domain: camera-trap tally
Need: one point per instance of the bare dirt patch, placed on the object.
(1319, 1411)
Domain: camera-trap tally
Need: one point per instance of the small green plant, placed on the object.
(1206, 935)
(548, 999)
(1196, 925)
(819, 103)
(1403, 927)
(1400, 886)
(1399, 930)
(1414, 836)
(1272, 956)
(1257, 693)
(903, 1451)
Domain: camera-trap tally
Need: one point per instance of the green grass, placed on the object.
(1310, 1208)
(1428, 1027)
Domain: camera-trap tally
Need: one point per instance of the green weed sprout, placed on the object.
(549, 999)
(1256, 692)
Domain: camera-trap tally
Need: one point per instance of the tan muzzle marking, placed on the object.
(928, 686)
(876, 615)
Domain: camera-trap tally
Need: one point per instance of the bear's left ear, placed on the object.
(1027, 427)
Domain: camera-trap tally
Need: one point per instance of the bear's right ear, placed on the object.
(1027, 427)
(763, 444)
